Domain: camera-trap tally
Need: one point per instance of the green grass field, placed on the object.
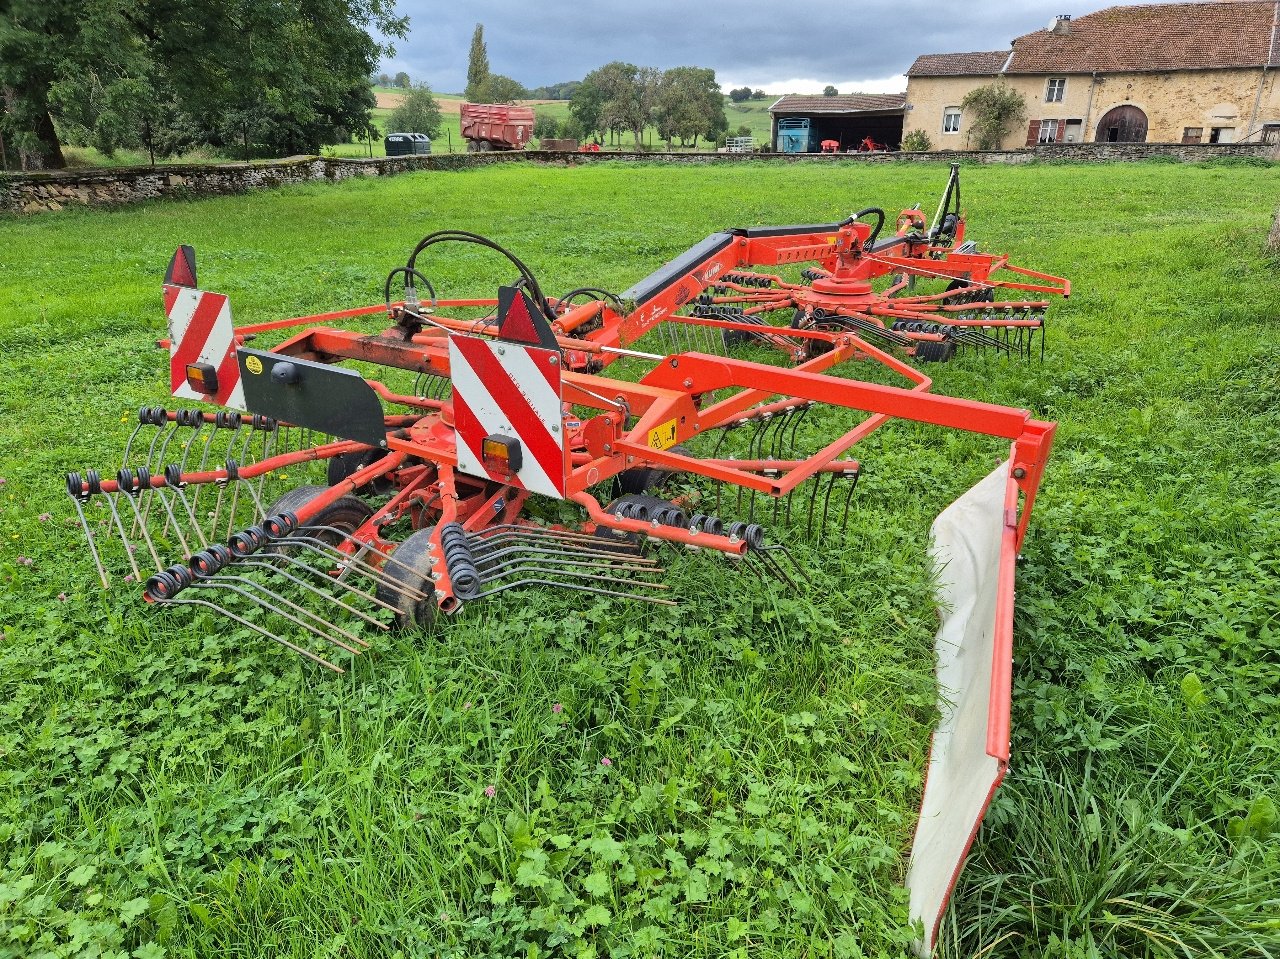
(170, 785)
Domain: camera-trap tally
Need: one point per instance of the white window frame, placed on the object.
(1055, 90)
(949, 114)
(1048, 131)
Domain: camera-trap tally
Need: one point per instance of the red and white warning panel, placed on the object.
(202, 340)
(507, 413)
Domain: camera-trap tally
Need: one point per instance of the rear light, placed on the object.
(501, 454)
(203, 378)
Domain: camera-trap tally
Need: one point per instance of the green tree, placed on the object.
(105, 68)
(690, 105)
(830, 91)
(738, 94)
(497, 88)
(477, 65)
(993, 111)
(384, 80)
(402, 80)
(757, 94)
(545, 126)
(418, 113)
(612, 99)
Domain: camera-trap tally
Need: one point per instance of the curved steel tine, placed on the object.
(195, 522)
(484, 565)
(826, 505)
(550, 571)
(568, 537)
(853, 485)
(124, 538)
(263, 562)
(188, 601)
(172, 520)
(502, 550)
(344, 559)
(781, 547)
(221, 582)
(320, 574)
(142, 529)
(128, 444)
(639, 597)
(93, 546)
(170, 426)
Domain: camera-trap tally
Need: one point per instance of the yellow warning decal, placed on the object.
(253, 365)
(664, 436)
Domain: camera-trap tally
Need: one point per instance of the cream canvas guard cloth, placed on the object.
(961, 776)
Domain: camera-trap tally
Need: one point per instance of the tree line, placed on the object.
(245, 78)
(683, 103)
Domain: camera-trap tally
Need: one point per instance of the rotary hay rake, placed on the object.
(431, 491)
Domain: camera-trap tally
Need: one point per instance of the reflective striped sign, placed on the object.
(509, 389)
(201, 331)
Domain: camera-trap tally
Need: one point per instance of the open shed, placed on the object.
(799, 124)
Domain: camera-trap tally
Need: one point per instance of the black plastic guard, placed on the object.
(317, 396)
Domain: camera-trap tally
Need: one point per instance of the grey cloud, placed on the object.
(763, 44)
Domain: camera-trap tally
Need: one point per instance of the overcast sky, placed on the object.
(858, 45)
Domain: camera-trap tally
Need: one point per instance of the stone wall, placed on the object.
(39, 192)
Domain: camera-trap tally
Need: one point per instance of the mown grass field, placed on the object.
(173, 786)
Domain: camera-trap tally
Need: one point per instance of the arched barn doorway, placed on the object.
(1126, 124)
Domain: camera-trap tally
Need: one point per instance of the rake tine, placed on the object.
(552, 570)
(306, 653)
(500, 568)
(639, 597)
(813, 499)
(826, 504)
(769, 564)
(128, 444)
(781, 547)
(265, 563)
(848, 498)
(322, 575)
(187, 506)
(142, 529)
(328, 550)
(93, 546)
(346, 560)
(222, 581)
(494, 556)
(115, 515)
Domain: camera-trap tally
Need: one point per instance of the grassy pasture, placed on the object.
(169, 785)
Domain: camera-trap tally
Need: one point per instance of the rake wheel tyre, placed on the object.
(348, 513)
(348, 464)
(413, 553)
(642, 479)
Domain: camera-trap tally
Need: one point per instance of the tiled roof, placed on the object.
(848, 103)
(1165, 36)
(959, 64)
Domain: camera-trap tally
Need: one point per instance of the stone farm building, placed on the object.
(1161, 73)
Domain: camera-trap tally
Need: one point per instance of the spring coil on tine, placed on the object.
(460, 561)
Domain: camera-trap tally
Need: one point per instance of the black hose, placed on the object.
(409, 274)
(462, 236)
(875, 233)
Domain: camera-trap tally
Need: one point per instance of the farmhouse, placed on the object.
(800, 124)
(1171, 73)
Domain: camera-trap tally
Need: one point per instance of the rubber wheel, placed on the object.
(347, 464)
(484, 146)
(641, 479)
(346, 514)
(413, 553)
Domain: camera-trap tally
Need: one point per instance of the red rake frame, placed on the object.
(468, 526)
